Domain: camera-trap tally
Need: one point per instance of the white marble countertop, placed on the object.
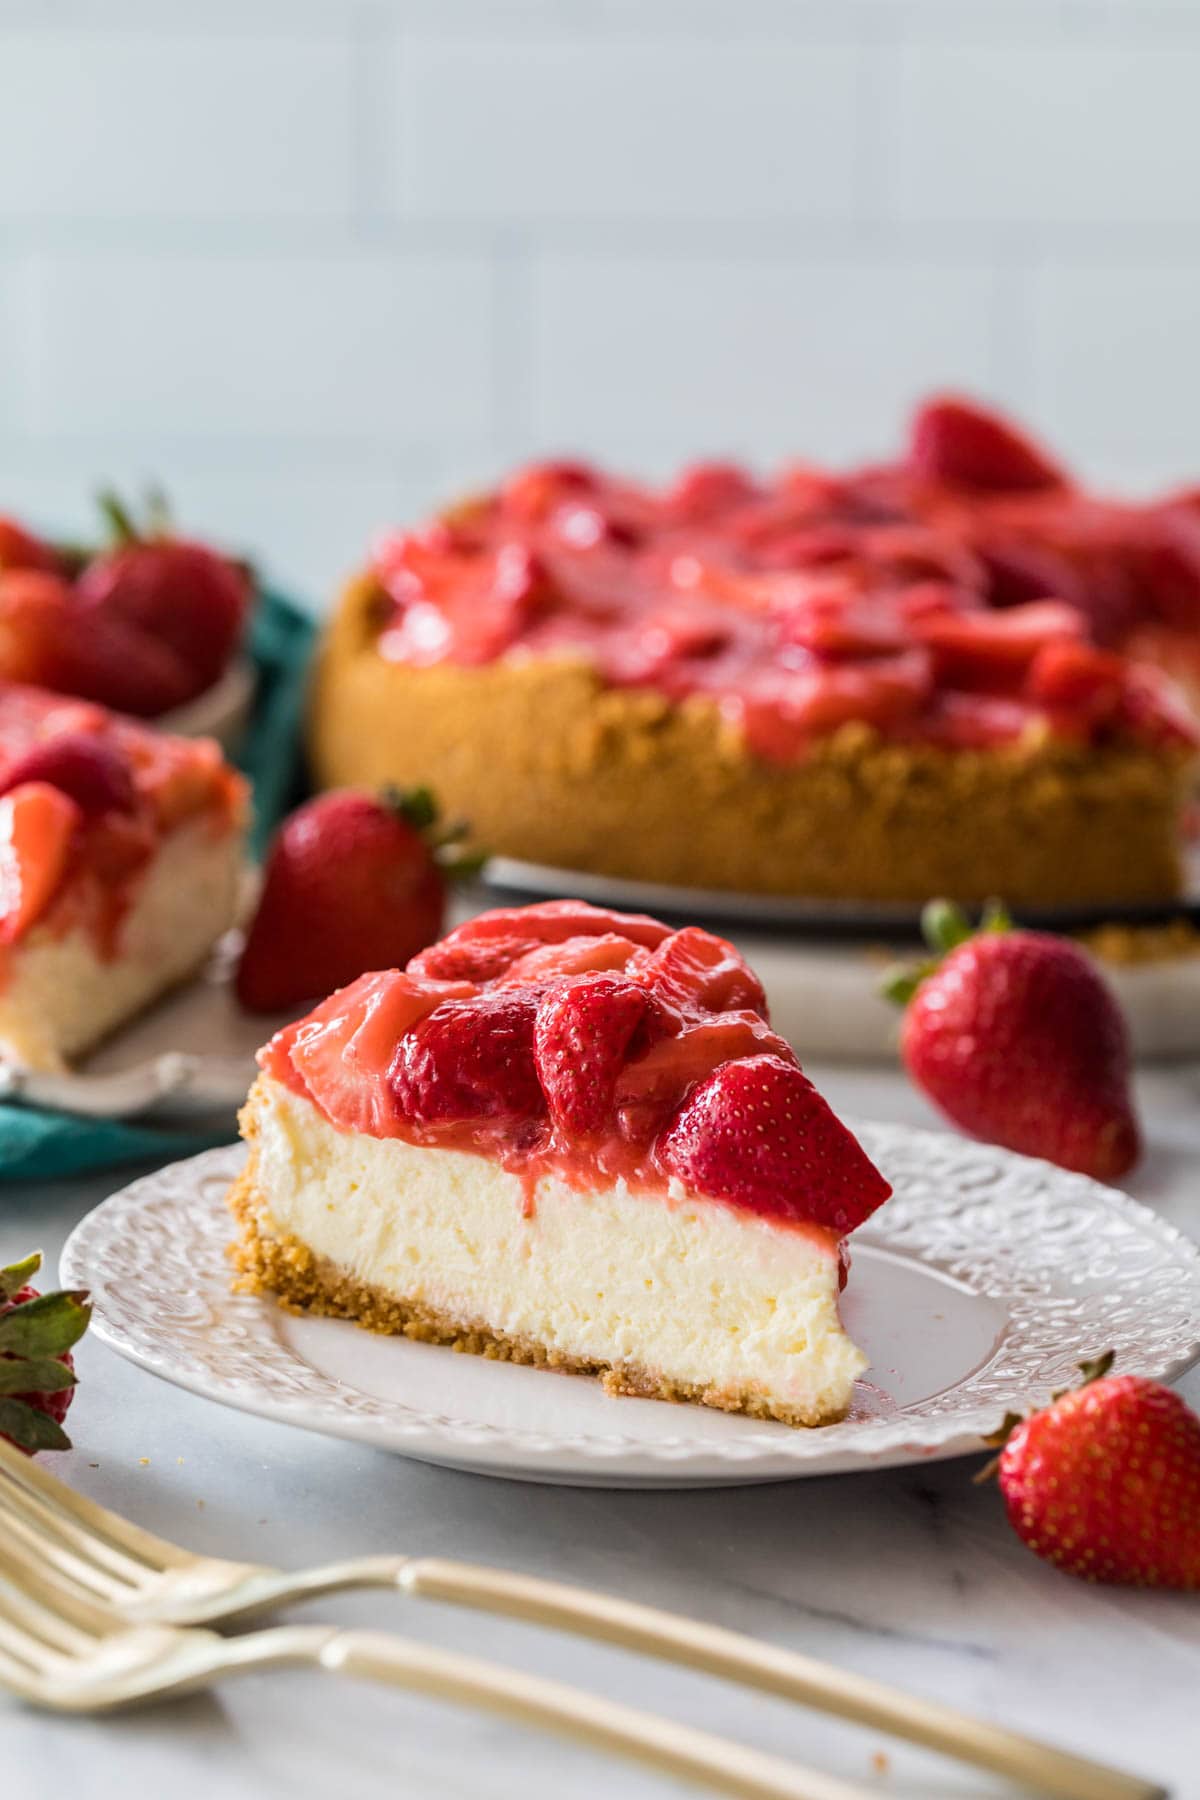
(912, 1576)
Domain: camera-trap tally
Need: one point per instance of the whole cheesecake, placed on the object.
(877, 686)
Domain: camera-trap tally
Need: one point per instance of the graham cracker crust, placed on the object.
(552, 766)
(299, 1281)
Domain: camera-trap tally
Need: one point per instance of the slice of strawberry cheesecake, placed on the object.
(120, 857)
(569, 1137)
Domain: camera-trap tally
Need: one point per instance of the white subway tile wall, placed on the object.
(317, 263)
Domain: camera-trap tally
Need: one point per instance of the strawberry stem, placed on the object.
(119, 517)
(944, 926)
(1094, 1370)
(416, 806)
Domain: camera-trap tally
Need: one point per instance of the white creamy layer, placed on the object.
(60, 996)
(696, 1292)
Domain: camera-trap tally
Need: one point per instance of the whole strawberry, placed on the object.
(954, 441)
(20, 549)
(352, 882)
(1015, 1036)
(182, 595)
(37, 1374)
(1105, 1482)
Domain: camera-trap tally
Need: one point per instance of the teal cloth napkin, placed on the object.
(35, 1142)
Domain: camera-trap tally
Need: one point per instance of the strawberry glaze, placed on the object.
(511, 1040)
(86, 798)
(804, 603)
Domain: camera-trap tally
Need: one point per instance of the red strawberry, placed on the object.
(37, 1374)
(351, 883)
(1017, 1039)
(343, 1051)
(484, 947)
(757, 1133)
(582, 1035)
(38, 826)
(47, 638)
(694, 968)
(20, 549)
(81, 765)
(181, 594)
(955, 441)
(1105, 1482)
(706, 489)
(471, 1059)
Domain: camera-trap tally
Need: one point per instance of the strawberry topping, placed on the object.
(651, 1062)
(900, 596)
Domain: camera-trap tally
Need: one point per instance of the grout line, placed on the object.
(513, 329)
(373, 93)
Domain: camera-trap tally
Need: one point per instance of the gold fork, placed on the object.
(62, 1651)
(91, 1554)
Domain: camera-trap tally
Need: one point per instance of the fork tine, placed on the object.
(32, 1631)
(65, 1613)
(41, 1537)
(86, 1525)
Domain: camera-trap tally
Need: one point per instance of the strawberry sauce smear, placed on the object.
(921, 598)
(596, 1046)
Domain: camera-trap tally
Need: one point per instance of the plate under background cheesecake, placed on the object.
(879, 686)
(121, 854)
(567, 1137)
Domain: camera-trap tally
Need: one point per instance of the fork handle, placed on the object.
(675, 1749)
(734, 1657)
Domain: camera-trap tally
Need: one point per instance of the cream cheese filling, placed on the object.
(59, 996)
(693, 1291)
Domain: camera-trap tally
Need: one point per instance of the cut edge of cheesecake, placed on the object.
(672, 1297)
(62, 996)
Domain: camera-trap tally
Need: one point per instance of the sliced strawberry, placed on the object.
(82, 765)
(574, 956)
(582, 1035)
(344, 1050)
(997, 646)
(758, 1134)
(834, 619)
(37, 833)
(652, 1085)
(708, 488)
(485, 946)
(954, 441)
(978, 721)
(471, 1059)
(694, 968)
(532, 493)
(1078, 682)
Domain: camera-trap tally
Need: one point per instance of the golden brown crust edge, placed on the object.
(553, 767)
(287, 1269)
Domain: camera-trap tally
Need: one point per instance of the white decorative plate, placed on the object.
(977, 1288)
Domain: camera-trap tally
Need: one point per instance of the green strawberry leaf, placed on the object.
(29, 1428)
(34, 1375)
(416, 806)
(45, 1326)
(944, 926)
(17, 1274)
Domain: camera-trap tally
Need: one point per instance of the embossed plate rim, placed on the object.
(1009, 1227)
